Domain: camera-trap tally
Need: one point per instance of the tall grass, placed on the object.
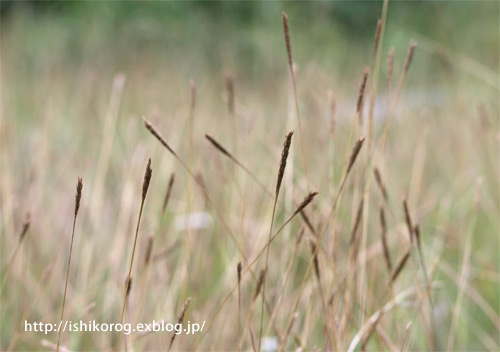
(381, 242)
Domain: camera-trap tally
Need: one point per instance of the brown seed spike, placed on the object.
(286, 31)
(284, 156)
(26, 226)
(128, 284)
(385, 246)
(259, 284)
(362, 87)
(400, 266)
(179, 320)
(158, 136)
(78, 196)
(239, 267)
(354, 153)
(416, 231)
(169, 192)
(409, 57)
(308, 199)
(357, 222)
(147, 179)
(315, 259)
(218, 146)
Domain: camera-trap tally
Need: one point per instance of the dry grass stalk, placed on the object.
(284, 157)
(158, 136)
(26, 226)
(416, 231)
(239, 267)
(286, 32)
(370, 332)
(167, 251)
(400, 266)
(385, 246)
(224, 151)
(299, 236)
(260, 283)
(314, 252)
(128, 286)
(258, 289)
(78, 197)
(281, 172)
(354, 153)
(168, 193)
(220, 148)
(308, 199)
(405, 337)
(226, 299)
(289, 329)
(362, 88)
(180, 319)
(145, 186)
(380, 183)
(354, 241)
(22, 234)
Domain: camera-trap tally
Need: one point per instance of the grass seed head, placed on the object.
(284, 156)
(147, 179)
(78, 197)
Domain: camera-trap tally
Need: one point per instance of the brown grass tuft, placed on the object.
(362, 88)
(307, 199)
(78, 196)
(286, 32)
(180, 319)
(168, 193)
(354, 153)
(400, 266)
(219, 146)
(284, 156)
(147, 179)
(158, 136)
(385, 246)
(260, 282)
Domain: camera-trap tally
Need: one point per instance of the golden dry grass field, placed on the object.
(394, 108)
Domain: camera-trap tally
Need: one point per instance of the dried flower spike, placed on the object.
(284, 156)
